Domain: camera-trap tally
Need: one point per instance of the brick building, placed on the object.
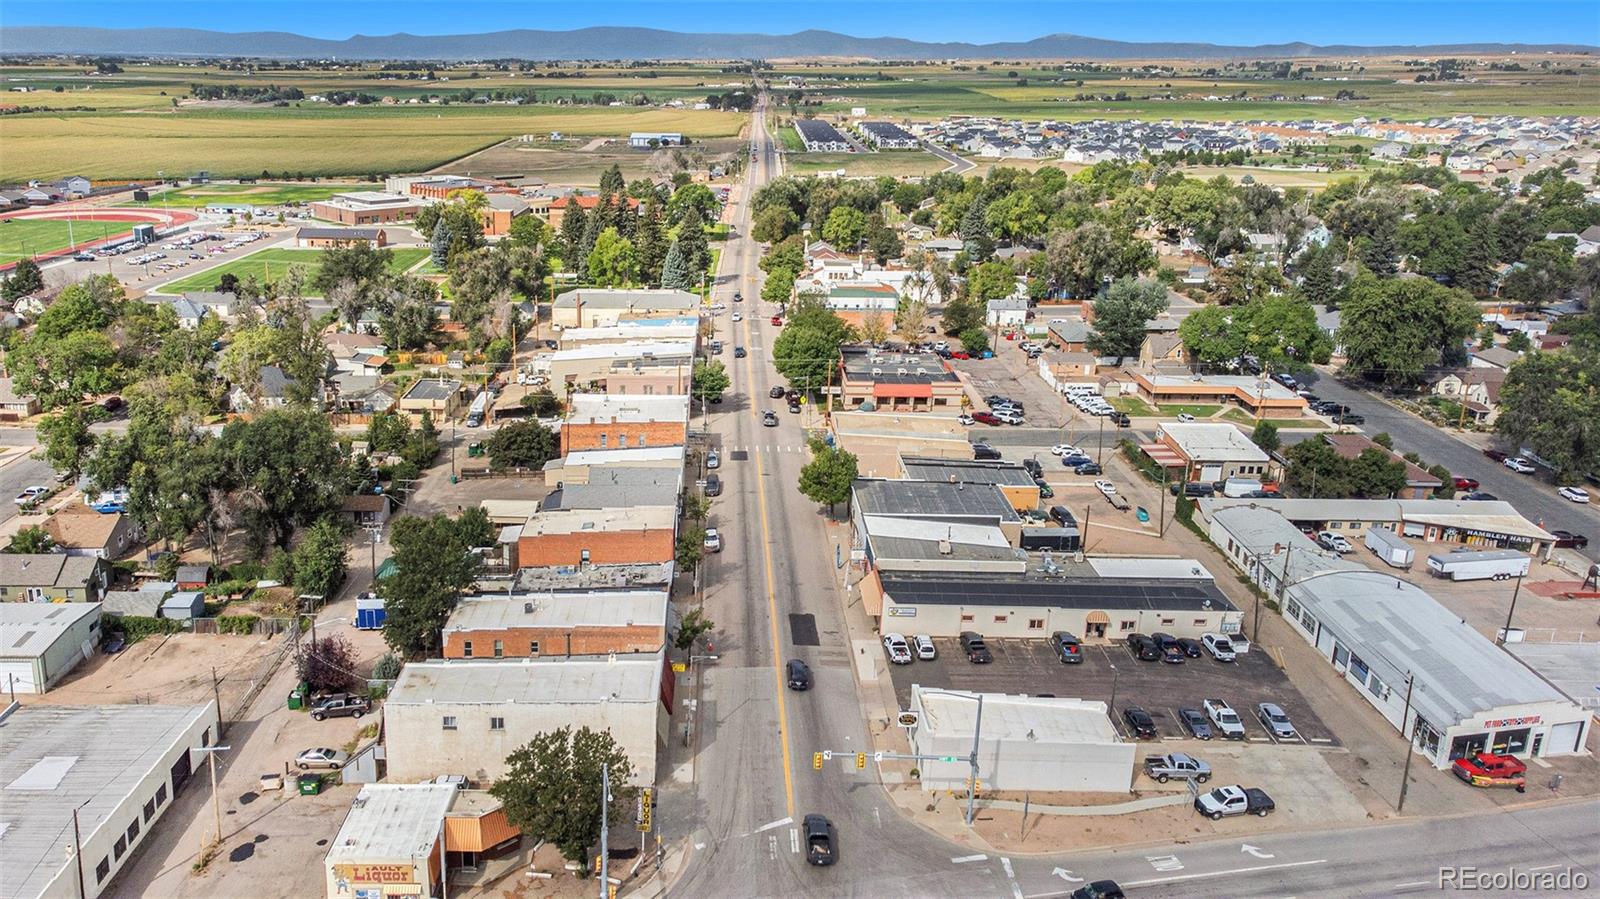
(340, 237)
(442, 187)
(582, 537)
(366, 207)
(529, 625)
(558, 208)
(597, 421)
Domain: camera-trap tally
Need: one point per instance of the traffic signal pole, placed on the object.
(817, 759)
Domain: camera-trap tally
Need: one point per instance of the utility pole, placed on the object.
(216, 798)
(605, 831)
(1405, 774)
(216, 694)
(1283, 584)
(977, 729)
(1505, 634)
(77, 847)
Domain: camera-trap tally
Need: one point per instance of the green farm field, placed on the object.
(274, 264)
(896, 163)
(262, 194)
(22, 238)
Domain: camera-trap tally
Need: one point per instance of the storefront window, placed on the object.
(1426, 737)
(1341, 656)
(1358, 668)
(1461, 747)
(1511, 742)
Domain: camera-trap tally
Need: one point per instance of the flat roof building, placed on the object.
(1018, 487)
(531, 625)
(600, 421)
(41, 641)
(1026, 743)
(390, 842)
(874, 381)
(636, 368)
(878, 439)
(119, 766)
(465, 717)
(1482, 524)
(590, 307)
(1207, 452)
(1269, 398)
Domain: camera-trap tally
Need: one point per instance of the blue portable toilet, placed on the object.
(369, 612)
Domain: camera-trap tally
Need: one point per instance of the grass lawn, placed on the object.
(272, 265)
(1195, 409)
(895, 163)
(1242, 417)
(262, 194)
(788, 138)
(1131, 405)
(21, 238)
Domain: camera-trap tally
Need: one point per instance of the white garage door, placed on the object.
(1209, 473)
(18, 676)
(1564, 738)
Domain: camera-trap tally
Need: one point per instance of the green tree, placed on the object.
(961, 315)
(1120, 316)
(992, 281)
(1281, 332)
(675, 271)
(882, 241)
(807, 350)
(829, 476)
(692, 196)
(410, 321)
(778, 285)
(288, 462)
(691, 627)
(573, 224)
(1518, 342)
(1319, 280)
(611, 180)
(775, 224)
(974, 340)
(1393, 330)
(359, 263)
(1550, 403)
(911, 318)
(789, 253)
(1265, 436)
(439, 245)
(612, 261)
(692, 244)
(30, 540)
(319, 560)
(25, 279)
(388, 432)
(66, 440)
(650, 242)
(845, 228)
(434, 565)
(552, 789)
(690, 547)
(528, 231)
(709, 380)
(522, 444)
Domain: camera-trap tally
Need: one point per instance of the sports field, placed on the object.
(262, 194)
(22, 238)
(274, 264)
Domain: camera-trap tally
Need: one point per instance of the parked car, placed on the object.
(1140, 722)
(1171, 651)
(1569, 540)
(1088, 469)
(340, 705)
(1105, 487)
(1195, 722)
(1495, 455)
(713, 485)
(713, 459)
(1185, 417)
(924, 646)
(798, 675)
(1009, 416)
(1073, 460)
(776, 392)
(1519, 465)
(819, 840)
(972, 644)
(898, 650)
(1191, 647)
(1121, 419)
(1275, 720)
(1177, 764)
(1224, 802)
(985, 451)
(1066, 647)
(1480, 495)
(1144, 648)
(1063, 516)
(30, 495)
(1486, 769)
(1220, 647)
(1331, 541)
(1065, 449)
(713, 541)
(1466, 483)
(321, 758)
(1574, 494)
(987, 418)
(794, 407)
(1224, 718)
(966, 419)
(1194, 489)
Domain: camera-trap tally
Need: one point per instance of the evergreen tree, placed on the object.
(1319, 280)
(440, 245)
(651, 243)
(1477, 265)
(975, 232)
(692, 242)
(611, 181)
(25, 279)
(675, 271)
(1379, 251)
(573, 225)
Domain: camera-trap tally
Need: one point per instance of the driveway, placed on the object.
(1534, 497)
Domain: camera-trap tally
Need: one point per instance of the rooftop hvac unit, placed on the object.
(900, 371)
(527, 607)
(944, 548)
(876, 372)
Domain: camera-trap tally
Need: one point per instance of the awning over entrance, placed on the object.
(1097, 618)
(1162, 455)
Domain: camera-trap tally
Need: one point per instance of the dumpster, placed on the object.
(474, 450)
(297, 697)
(310, 784)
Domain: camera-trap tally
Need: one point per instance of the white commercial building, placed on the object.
(1024, 743)
(461, 717)
(391, 843)
(118, 766)
(41, 641)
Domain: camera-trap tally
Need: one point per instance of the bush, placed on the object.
(136, 627)
(237, 624)
(387, 668)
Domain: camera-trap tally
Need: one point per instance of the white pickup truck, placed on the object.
(1225, 719)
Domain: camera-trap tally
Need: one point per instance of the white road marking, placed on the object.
(772, 848)
(1256, 851)
(1016, 891)
(1321, 740)
(1164, 862)
(1413, 883)
(1174, 879)
(1543, 868)
(773, 826)
(794, 839)
(963, 859)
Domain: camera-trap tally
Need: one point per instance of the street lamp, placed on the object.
(216, 799)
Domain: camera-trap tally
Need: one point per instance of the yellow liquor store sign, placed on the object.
(387, 874)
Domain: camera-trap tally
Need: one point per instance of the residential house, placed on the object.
(589, 307)
(1254, 395)
(1007, 313)
(1207, 452)
(14, 407)
(1162, 350)
(78, 530)
(52, 577)
(361, 394)
(1070, 333)
(632, 369)
(442, 398)
(1479, 388)
(224, 304)
(1420, 484)
(366, 510)
(1497, 357)
(272, 392)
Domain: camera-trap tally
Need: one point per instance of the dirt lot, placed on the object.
(571, 162)
(173, 669)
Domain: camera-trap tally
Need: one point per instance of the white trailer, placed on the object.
(1387, 545)
(1495, 564)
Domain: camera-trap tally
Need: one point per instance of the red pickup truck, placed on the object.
(1485, 769)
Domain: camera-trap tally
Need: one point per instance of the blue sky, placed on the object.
(1218, 21)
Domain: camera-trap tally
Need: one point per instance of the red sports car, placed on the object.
(1466, 483)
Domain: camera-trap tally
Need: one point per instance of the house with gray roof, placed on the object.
(52, 577)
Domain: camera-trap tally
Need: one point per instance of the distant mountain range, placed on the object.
(648, 43)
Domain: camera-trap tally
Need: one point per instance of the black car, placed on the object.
(1195, 488)
(819, 840)
(738, 352)
(340, 705)
(738, 297)
(1063, 516)
(713, 485)
(1144, 648)
(1481, 495)
(1140, 722)
(1569, 540)
(775, 393)
(1066, 647)
(1191, 647)
(1351, 419)
(1032, 467)
(972, 645)
(1196, 722)
(798, 675)
(1121, 419)
(1087, 468)
(984, 451)
(1171, 650)
(1099, 889)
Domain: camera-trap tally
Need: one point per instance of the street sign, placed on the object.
(827, 754)
(908, 719)
(949, 758)
(642, 815)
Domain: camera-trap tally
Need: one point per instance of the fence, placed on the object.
(240, 624)
(258, 680)
(1550, 635)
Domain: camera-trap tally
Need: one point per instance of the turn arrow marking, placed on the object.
(1255, 851)
(1066, 875)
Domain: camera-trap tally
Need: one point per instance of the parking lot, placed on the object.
(1111, 674)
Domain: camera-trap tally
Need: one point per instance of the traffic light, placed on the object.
(861, 761)
(816, 760)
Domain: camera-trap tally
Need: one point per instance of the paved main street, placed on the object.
(731, 806)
